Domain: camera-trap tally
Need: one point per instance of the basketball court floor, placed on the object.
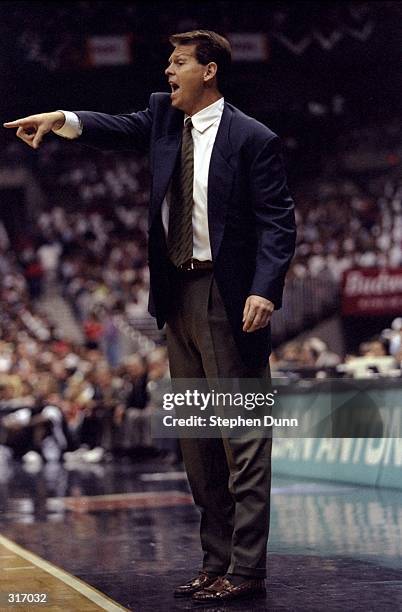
(121, 536)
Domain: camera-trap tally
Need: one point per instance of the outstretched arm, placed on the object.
(108, 132)
(116, 132)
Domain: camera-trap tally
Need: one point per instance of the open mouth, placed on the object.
(174, 87)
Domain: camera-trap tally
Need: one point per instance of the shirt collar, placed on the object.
(207, 116)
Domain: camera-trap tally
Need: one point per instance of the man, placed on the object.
(221, 236)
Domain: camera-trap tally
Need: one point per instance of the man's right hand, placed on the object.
(32, 129)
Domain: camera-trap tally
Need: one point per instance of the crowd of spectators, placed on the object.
(57, 398)
(71, 175)
(313, 358)
(343, 224)
(101, 262)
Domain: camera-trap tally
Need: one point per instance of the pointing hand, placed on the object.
(32, 129)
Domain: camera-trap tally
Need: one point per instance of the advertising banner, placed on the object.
(249, 46)
(372, 291)
(109, 50)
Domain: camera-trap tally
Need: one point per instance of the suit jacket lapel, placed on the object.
(166, 150)
(220, 181)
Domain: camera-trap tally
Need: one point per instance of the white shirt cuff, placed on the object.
(72, 127)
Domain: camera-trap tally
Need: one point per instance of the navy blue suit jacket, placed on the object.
(250, 212)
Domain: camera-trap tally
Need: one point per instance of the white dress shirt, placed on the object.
(205, 127)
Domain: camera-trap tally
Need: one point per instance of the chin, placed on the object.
(176, 103)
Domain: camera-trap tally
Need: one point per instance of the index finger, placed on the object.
(246, 309)
(16, 123)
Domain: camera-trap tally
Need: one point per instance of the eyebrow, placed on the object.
(178, 56)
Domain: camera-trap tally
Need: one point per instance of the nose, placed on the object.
(169, 70)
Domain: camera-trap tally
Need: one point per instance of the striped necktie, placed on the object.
(180, 231)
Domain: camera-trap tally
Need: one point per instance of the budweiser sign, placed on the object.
(370, 291)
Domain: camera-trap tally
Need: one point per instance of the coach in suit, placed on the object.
(221, 236)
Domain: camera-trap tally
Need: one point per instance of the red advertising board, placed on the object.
(372, 291)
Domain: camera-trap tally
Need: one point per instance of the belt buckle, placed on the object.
(188, 266)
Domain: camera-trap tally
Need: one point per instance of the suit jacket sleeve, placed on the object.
(117, 132)
(275, 222)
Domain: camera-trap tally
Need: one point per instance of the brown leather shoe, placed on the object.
(202, 581)
(223, 590)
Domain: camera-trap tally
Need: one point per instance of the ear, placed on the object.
(210, 71)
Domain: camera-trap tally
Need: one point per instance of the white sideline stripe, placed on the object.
(119, 496)
(75, 583)
(310, 488)
(164, 476)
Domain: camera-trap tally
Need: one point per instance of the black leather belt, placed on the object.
(192, 265)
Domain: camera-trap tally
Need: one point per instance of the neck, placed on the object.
(208, 98)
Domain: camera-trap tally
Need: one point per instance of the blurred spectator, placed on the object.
(93, 330)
